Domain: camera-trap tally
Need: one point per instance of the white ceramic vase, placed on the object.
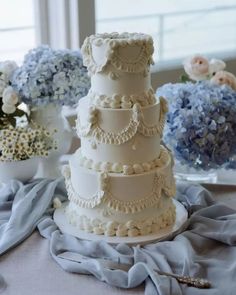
(52, 118)
(21, 170)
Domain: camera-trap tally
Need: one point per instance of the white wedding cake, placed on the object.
(120, 182)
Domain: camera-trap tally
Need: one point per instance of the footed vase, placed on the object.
(184, 172)
(21, 170)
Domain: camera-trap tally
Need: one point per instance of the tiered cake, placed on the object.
(120, 182)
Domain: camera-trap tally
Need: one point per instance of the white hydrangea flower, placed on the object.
(8, 108)
(2, 86)
(9, 96)
(7, 68)
(4, 78)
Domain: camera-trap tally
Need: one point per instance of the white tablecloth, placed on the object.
(29, 270)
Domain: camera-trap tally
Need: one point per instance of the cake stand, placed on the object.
(164, 234)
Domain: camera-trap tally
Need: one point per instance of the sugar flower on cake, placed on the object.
(51, 76)
(199, 68)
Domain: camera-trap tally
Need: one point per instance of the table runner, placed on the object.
(206, 249)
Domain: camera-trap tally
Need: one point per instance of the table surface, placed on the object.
(31, 265)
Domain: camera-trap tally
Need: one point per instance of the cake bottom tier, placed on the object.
(104, 221)
(120, 205)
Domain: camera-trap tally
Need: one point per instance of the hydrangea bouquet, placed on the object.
(51, 76)
(201, 122)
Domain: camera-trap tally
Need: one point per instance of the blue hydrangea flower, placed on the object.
(51, 76)
(201, 124)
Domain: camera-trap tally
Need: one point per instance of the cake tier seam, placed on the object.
(120, 101)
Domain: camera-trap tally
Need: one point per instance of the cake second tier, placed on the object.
(122, 136)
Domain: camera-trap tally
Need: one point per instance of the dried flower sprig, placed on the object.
(22, 143)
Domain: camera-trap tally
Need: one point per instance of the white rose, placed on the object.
(9, 96)
(2, 87)
(8, 108)
(197, 67)
(216, 65)
(224, 78)
(8, 67)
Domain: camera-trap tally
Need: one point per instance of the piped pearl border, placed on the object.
(126, 169)
(118, 101)
(131, 228)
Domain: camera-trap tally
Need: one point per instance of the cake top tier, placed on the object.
(126, 52)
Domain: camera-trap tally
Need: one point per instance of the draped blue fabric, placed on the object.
(205, 249)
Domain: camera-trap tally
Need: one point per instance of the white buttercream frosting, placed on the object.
(126, 52)
(137, 124)
(122, 101)
(120, 182)
(130, 193)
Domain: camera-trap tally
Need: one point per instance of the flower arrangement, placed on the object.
(19, 139)
(51, 76)
(22, 143)
(199, 68)
(201, 122)
(9, 99)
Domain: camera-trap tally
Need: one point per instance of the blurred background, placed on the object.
(179, 28)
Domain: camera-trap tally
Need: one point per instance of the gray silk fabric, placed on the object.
(205, 249)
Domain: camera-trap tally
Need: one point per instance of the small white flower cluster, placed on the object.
(22, 143)
(9, 96)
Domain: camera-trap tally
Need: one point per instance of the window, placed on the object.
(17, 29)
(179, 28)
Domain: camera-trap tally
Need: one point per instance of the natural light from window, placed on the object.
(17, 29)
(179, 28)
